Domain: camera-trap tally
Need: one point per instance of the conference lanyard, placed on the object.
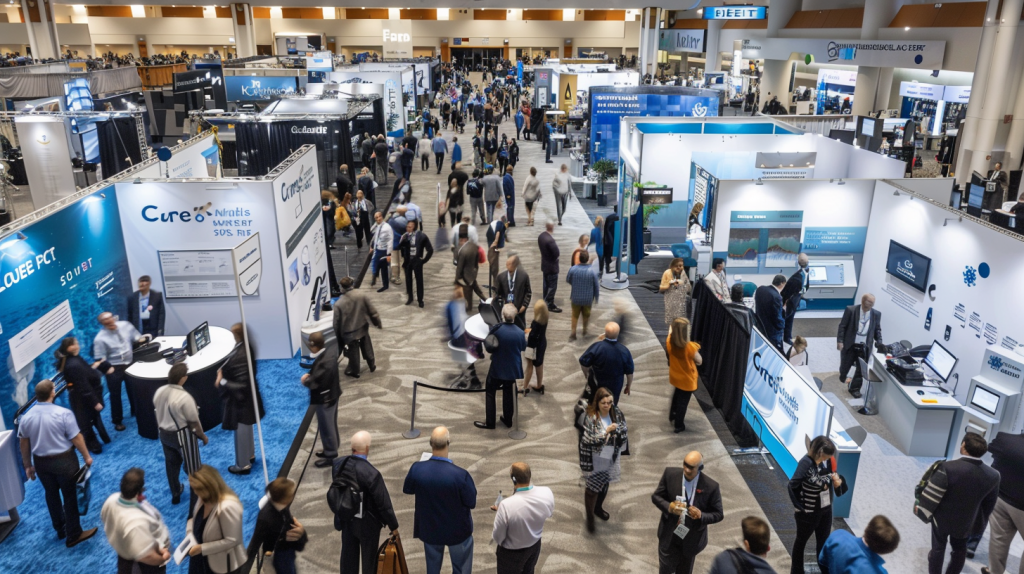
(693, 494)
(512, 286)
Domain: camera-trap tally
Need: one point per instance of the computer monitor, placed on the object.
(197, 339)
(940, 361)
(985, 400)
(818, 274)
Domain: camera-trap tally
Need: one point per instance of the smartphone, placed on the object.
(498, 500)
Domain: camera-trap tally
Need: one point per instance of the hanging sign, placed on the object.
(924, 91)
(248, 264)
(735, 12)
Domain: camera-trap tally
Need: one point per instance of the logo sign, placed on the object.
(655, 195)
(258, 88)
(837, 77)
(248, 264)
(735, 13)
(200, 80)
(1002, 368)
(959, 94)
(682, 40)
(918, 54)
(925, 91)
(397, 39)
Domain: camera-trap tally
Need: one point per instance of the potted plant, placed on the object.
(648, 210)
(603, 169)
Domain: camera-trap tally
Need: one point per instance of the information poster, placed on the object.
(197, 274)
(765, 240)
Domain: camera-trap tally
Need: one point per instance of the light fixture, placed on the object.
(906, 28)
(896, 193)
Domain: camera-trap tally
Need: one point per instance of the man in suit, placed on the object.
(1008, 517)
(966, 491)
(445, 497)
(792, 293)
(689, 501)
(361, 536)
(549, 254)
(513, 286)
(609, 239)
(997, 175)
(859, 330)
(353, 315)
(506, 368)
(467, 264)
(324, 390)
(146, 309)
(416, 251)
(769, 311)
(547, 143)
(508, 187)
(497, 229)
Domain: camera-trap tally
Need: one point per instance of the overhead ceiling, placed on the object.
(454, 4)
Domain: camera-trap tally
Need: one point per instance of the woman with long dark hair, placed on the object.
(233, 384)
(85, 391)
(811, 490)
(601, 443)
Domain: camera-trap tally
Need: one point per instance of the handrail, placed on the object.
(57, 384)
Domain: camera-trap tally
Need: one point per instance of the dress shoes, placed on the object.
(323, 462)
(409, 301)
(555, 309)
(601, 513)
(353, 375)
(421, 304)
(482, 425)
(382, 289)
(176, 497)
(81, 538)
(119, 427)
(373, 366)
(235, 469)
(507, 423)
(320, 454)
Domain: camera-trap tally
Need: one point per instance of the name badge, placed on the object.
(144, 315)
(681, 531)
(510, 298)
(825, 498)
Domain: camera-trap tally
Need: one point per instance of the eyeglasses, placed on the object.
(689, 466)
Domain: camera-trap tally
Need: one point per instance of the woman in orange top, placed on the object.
(683, 359)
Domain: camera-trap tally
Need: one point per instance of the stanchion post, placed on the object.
(413, 432)
(516, 434)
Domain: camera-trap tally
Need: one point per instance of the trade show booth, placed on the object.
(394, 86)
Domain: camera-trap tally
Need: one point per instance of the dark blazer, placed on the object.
(324, 387)
(520, 297)
(268, 535)
(381, 150)
(768, 308)
(791, 291)
(424, 250)
(1008, 458)
(377, 509)
(848, 328)
(508, 185)
(466, 263)
(85, 385)
(548, 253)
(445, 495)
(156, 316)
(707, 499)
(971, 494)
(365, 184)
(236, 393)
(344, 183)
(609, 229)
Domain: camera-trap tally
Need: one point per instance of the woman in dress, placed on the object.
(239, 413)
(676, 287)
(683, 360)
(85, 390)
(216, 525)
(531, 193)
(536, 345)
(601, 444)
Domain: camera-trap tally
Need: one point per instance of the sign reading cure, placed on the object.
(735, 13)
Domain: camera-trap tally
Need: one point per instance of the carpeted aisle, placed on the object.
(33, 546)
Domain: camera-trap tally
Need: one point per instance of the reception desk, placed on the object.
(920, 418)
(145, 378)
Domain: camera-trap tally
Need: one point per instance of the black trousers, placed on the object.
(363, 229)
(364, 346)
(438, 161)
(807, 523)
(550, 284)
(125, 566)
(521, 561)
(957, 557)
(88, 417)
(680, 400)
(848, 358)
(115, 381)
(357, 542)
(415, 267)
(675, 557)
(606, 260)
(173, 461)
(508, 389)
(57, 475)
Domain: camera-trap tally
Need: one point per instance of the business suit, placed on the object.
(508, 185)
(467, 264)
(792, 293)
(676, 555)
(362, 218)
(971, 491)
(324, 390)
(847, 335)
(154, 325)
(521, 293)
(353, 314)
(361, 536)
(416, 251)
(768, 309)
(994, 199)
(223, 545)
(549, 254)
(1007, 519)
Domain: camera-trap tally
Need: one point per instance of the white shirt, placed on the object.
(175, 408)
(863, 325)
(383, 238)
(133, 528)
(519, 522)
(470, 233)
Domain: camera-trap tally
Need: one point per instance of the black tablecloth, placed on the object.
(200, 385)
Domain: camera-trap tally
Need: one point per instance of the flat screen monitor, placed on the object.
(908, 266)
(867, 127)
(817, 274)
(198, 339)
(985, 400)
(845, 136)
(940, 360)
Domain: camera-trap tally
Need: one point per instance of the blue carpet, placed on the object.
(29, 547)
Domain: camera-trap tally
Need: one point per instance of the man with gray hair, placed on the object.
(506, 367)
(113, 348)
(360, 536)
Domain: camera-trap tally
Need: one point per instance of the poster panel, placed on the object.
(191, 159)
(394, 104)
(44, 145)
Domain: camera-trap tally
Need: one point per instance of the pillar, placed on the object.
(245, 39)
(33, 44)
(775, 81)
(884, 88)
(865, 91)
(47, 40)
(649, 41)
(877, 14)
(713, 53)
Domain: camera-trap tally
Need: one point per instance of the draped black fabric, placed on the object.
(262, 146)
(118, 140)
(724, 346)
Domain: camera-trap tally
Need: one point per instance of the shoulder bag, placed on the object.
(189, 444)
(491, 342)
(265, 562)
(391, 557)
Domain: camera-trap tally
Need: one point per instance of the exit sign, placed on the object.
(735, 13)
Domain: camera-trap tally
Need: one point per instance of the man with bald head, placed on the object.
(445, 497)
(519, 522)
(513, 286)
(360, 536)
(609, 361)
(689, 501)
(859, 330)
(793, 293)
(113, 347)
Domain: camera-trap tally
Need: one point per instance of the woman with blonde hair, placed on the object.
(676, 287)
(683, 360)
(536, 345)
(797, 354)
(216, 525)
(601, 442)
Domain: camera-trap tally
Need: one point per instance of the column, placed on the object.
(47, 40)
(865, 91)
(649, 41)
(51, 24)
(245, 39)
(778, 73)
(713, 54)
(32, 43)
(884, 88)
(877, 14)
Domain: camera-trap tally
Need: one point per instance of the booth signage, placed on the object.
(958, 94)
(258, 88)
(924, 91)
(917, 54)
(248, 264)
(397, 39)
(200, 80)
(837, 77)
(735, 12)
(320, 62)
(655, 195)
(44, 145)
(682, 40)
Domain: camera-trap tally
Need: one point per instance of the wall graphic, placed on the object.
(764, 239)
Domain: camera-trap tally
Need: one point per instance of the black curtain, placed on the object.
(262, 146)
(724, 346)
(118, 140)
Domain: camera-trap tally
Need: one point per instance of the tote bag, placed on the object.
(189, 444)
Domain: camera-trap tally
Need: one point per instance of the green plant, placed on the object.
(650, 210)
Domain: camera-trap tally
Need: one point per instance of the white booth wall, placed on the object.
(188, 160)
(957, 250)
(394, 103)
(937, 189)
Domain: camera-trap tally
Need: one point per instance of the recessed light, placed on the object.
(906, 28)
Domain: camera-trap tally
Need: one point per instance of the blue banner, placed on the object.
(56, 276)
(258, 88)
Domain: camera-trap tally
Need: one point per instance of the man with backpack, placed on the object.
(359, 499)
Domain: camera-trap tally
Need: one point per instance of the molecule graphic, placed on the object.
(970, 276)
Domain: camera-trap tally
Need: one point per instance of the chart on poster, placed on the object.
(197, 274)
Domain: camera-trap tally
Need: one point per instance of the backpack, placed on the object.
(929, 491)
(344, 497)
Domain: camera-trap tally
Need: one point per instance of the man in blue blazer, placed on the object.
(508, 185)
(146, 309)
(769, 311)
(445, 496)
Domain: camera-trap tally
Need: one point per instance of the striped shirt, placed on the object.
(807, 484)
(585, 288)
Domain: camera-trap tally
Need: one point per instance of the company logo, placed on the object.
(908, 264)
(44, 140)
(304, 182)
(316, 130)
(699, 110)
(995, 362)
(392, 37)
(970, 276)
(904, 268)
(153, 213)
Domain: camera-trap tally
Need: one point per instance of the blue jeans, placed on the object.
(381, 265)
(461, 554)
(490, 210)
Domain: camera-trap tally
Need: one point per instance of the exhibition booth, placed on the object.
(396, 87)
(426, 76)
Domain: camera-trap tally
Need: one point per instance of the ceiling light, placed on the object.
(906, 28)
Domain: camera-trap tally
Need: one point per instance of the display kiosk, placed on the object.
(993, 398)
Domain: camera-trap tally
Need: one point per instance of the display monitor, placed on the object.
(908, 266)
(817, 274)
(867, 127)
(197, 339)
(940, 360)
(985, 400)
(845, 136)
